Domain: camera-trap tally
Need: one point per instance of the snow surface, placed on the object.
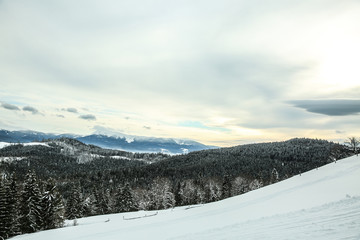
(5, 144)
(320, 204)
(120, 157)
(11, 159)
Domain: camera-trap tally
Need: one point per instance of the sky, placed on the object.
(222, 73)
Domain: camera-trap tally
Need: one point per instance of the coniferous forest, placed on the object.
(42, 185)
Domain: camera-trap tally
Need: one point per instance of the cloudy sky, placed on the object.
(220, 72)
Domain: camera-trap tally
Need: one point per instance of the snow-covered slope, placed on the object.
(320, 204)
(5, 144)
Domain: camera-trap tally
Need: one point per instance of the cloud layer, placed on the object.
(214, 71)
(329, 107)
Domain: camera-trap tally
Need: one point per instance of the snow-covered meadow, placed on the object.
(320, 204)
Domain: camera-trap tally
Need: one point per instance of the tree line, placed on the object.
(34, 205)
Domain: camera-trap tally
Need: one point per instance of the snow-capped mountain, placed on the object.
(114, 141)
(321, 204)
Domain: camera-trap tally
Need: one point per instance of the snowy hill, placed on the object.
(320, 204)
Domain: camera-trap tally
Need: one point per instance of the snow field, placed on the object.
(320, 204)
(5, 144)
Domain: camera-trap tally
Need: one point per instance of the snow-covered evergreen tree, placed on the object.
(30, 206)
(14, 204)
(240, 185)
(177, 195)
(161, 194)
(212, 191)
(102, 202)
(142, 199)
(124, 200)
(226, 188)
(5, 212)
(274, 176)
(89, 208)
(255, 184)
(188, 192)
(74, 207)
(52, 210)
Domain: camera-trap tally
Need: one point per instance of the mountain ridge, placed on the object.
(123, 142)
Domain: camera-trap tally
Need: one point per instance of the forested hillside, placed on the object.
(91, 180)
(256, 160)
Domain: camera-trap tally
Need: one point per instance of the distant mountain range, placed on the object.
(120, 142)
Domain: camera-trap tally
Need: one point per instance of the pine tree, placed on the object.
(89, 208)
(101, 202)
(226, 188)
(52, 210)
(30, 206)
(161, 195)
(14, 204)
(74, 207)
(274, 176)
(124, 200)
(188, 192)
(5, 213)
(255, 184)
(212, 191)
(177, 195)
(240, 185)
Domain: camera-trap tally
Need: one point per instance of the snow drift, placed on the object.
(320, 204)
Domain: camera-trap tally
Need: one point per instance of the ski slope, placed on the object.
(320, 204)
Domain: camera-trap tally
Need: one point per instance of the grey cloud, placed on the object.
(329, 107)
(60, 116)
(71, 110)
(10, 107)
(89, 117)
(340, 132)
(30, 109)
(147, 127)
